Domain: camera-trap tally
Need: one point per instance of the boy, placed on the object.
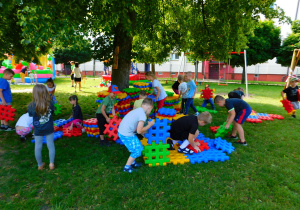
(182, 88)
(208, 100)
(186, 129)
(292, 93)
(134, 121)
(191, 92)
(102, 113)
(238, 110)
(5, 95)
(72, 72)
(237, 93)
(142, 96)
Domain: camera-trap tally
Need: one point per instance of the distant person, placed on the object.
(208, 100)
(72, 72)
(182, 88)
(23, 73)
(31, 76)
(176, 84)
(77, 76)
(51, 86)
(191, 92)
(292, 93)
(159, 91)
(237, 93)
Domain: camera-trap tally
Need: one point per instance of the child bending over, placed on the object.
(24, 126)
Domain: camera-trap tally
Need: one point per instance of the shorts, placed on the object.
(133, 145)
(101, 122)
(160, 103)
(25, 131)
(242, 115)
(295, 104)
(77, 79)
(6, 103)
(72, 76)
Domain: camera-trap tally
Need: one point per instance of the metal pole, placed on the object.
(94, 67)
(297, 10)
(246, 78)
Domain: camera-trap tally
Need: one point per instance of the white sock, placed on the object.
(184, 144)
(175, 141)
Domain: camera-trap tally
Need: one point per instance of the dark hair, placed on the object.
(50, 80)
(76, 64)
(143, 93)
(218, 98)
(8, 71)
(147, 101)
(74, 98)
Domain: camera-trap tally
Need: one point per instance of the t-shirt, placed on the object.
(4, 85)
(25, 120)
(31, 75)
(77, 113)
(51, 89)
(130, 122)
(236, 104)
(183, 87)
(181, 128)
(138, 103)
(162, 94)
(291, 93)
(191, 87)
(175, 85)
(43, 125)
(72, 69)
(236, 94)
(77, 72)
(109, 103)
(24, 69)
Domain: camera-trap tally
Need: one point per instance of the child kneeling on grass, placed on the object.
(238, 110)
(134, 121)
(24, 126)
(186, 129)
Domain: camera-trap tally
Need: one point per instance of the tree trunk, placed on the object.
(196, 70)
(243, 76)
(153, 68)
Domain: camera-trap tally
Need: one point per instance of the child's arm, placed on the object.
(104, 114)
(282, 94)
(113, 111)
(195, 92)
(230, 118)
(158, 93)
(141, 129)
(53, 91)
(192, 143)
(2, 98)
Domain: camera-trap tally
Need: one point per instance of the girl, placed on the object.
(42, 110)
(24, 126)
(158, 89)
(77, 76)
(31, 76)
(51, 88)
(76, 114)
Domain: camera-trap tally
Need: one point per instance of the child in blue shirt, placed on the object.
(5, 95)
(238, 110)
(191, 92)
(134, 121)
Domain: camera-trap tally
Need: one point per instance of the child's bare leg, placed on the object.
(79, 86)
(75, 86)
(240, 130)
(234, 128)
(130, 161)
(101, 137)
(3, 122)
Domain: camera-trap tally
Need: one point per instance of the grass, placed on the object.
(263, 175)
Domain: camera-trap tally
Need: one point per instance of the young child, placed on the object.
(134, 121)
(24, 126)
(238, 110)
(77, 76)
(23, 73)
(31, 76)
(182, 88)
(210, 100)
(237, 93)
(186, 129)
(72, 72)
(158, 89)
(51, 88)
(42, 110)
(292, 93)
(176, 84)
(5, 95)
(142, 96)
(102, 113)
(191, 92)
(35, 76)
(76, 114)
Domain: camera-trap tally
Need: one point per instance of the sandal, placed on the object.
(51, 166)
(40, 168)
(185, 151)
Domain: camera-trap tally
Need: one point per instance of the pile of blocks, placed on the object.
(142, 85)
(165, 113)
(91, 127)
(259, 117)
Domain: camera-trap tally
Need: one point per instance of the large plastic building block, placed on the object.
(61, 122)
(203, 146)
(214, 128)
(222, 131)
(166, 112)
(253, 120)
(7, 113)
(158, 132)
(204, 109)
(156, 155)
(111, 129)
(276, 116)
(207, 93)
(57, 135)
(177, 158)
(223, 145)
(74, 132)
(57, 109)
(206, 156)
(152, 97)
(288, 107)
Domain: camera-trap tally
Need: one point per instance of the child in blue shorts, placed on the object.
(238, 111)
(134, 121)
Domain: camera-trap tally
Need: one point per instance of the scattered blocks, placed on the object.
(222, 131)
(74, 132)
(177, 158)
(223, 145)
(203, 146)
(61, 122)
(7, 113)
(276, 116)
(204, 109)
(156, 155)
(57, 109)
(158, 132)
(209, 155)
(214, 128)
(111, 129)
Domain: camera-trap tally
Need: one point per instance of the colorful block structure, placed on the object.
(7, 113)
(111, 129)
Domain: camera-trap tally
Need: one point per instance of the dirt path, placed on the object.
(22, 91)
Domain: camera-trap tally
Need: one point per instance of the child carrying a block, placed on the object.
(292, 93)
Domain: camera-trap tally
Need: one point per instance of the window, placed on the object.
(174, 56)
(173, 73)
(160, 73)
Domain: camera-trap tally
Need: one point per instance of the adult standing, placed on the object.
(77, 76)
(72, 72)
(23, 73)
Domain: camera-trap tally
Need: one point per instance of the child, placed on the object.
(42, 110)
(72, 72)
(24, 126)
(191, 92)
(51, 88)
(102, 113)
(134, 121)
(23, 73)
(76, 114)
(158, 89)
(176, 84)
(292, 93)
(186, 129)
(31, 76)
(182, 91)
(142, 96)
(35, 76)
(210, 100)
(237, 93)
(5, 95)
(77, 76)
(238, 111)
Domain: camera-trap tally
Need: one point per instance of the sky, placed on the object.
(289, 7)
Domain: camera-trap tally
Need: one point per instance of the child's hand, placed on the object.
(197, 149)
(151, 123)
(197, 144)
(227, 126)
(70, 128)
(108, 120)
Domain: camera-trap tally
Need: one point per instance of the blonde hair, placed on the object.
(205, 116)
(180, 77)
(41, 98)
(150, 74)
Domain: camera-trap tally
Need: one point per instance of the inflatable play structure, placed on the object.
(43, 72)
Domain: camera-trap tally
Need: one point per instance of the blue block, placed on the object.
(118, 141)
(158, 132)
(166, 111)
(152, 97)
(223, 145)
(208, 155)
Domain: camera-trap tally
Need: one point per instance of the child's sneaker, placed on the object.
(197, 113)
(242, 143)
(294, 116)
(8, 128)
(136, 165)
(232, 137)
(128, 169)
(185, 151)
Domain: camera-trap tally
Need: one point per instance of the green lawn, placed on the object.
(263, 175)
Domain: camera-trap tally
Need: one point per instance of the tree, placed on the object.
(263, 45)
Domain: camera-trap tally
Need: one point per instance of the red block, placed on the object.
(253, 120)
(265, 118)
(203, 146)
(207, 93)
(7, 113)
(288, 106)
(214, 128)
(57, 128)
(92, 121)
(111, 129)
(74, 132)
(276, 116)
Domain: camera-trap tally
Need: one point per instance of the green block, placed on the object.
(204, 109)
(169, 93)
(57, 109)
(157, 153)
(222, 131)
